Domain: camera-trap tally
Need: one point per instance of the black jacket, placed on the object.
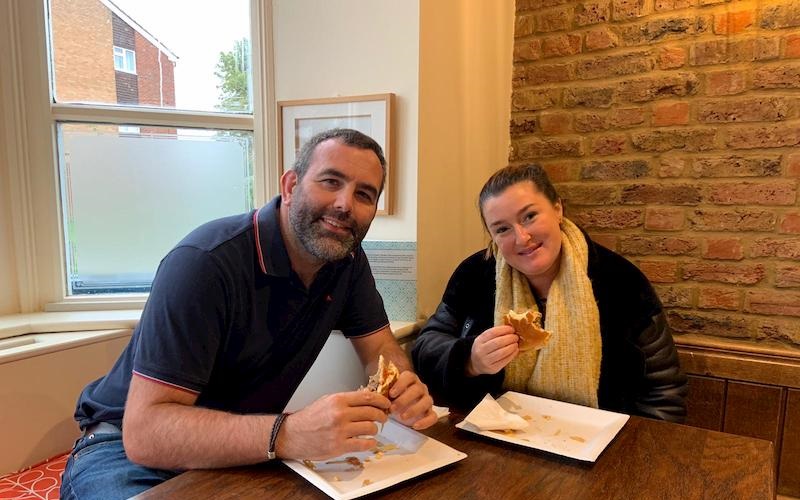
(639, 371)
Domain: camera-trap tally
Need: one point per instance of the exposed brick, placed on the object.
(719, 298)
(657, 245)
(561, 45)
(557, 122)
(587, 13)
(779, 330)
(664, 219)
(781, 303)
(660, 271)
(791, 46)
(708, 52)
(528, 50)
(718, 325)
(630, 9)
(524, 25)
(737, 166)
(734, 274)
(671, 57)
(739, 219)
(673, 296)
(615, 170)
(664, 5)
(522, 125)
(727, 50)
(731, 23)
(532, 148)
(672, 166)
(591, 121)
(541, 73)
(588, 194)
(767, 48)
(777, 192)
(671, 194)
(670, 113)
(589, 97)
(600, 38)
(755, 109)
(560, 170)
(785, 76)
(608, 218)
(554, 20)
(784, 15)
(666, 140)
(787, 276)
(627, 117)
(658, 87)
(534, 100)
(657, 30)
(790, 223)
(793, 165)
(727, 82)
(724, 249)
(609, 144)
(537, 4)
(772, 247)
(768, 136)
(617, 65)
(609, 241)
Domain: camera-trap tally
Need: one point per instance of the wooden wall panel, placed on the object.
(754, 410)
(705, 405)
(789, 474)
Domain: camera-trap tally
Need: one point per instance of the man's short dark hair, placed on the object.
(346, 136)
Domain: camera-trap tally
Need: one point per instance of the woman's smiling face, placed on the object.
(525, 226)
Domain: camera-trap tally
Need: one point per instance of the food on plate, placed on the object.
(528, 325)
(383, 380)
(353, 462)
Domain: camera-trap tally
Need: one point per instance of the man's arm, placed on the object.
(411, 403)
(163, 429)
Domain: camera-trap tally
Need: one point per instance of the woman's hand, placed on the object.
(492, 351)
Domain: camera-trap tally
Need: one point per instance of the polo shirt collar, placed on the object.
(273, 259)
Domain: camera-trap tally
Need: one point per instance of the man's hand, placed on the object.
(332, 425)
(492, 351)
(411, 403)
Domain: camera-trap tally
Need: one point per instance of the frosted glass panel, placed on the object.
(128, 198)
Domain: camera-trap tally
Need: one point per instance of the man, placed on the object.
(238, 312)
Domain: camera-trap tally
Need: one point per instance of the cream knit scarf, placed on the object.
(568, 367)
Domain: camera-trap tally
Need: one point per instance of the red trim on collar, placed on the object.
(258, 242)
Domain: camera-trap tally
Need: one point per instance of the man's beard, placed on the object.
(319, 242)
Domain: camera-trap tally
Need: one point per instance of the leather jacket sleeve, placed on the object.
(663, 388)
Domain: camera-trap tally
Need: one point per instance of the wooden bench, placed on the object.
(747, 389)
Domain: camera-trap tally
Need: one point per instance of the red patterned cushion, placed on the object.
(40, 481)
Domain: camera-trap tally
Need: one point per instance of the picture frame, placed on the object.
(299, 120)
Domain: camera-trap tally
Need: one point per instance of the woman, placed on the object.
(610, 347)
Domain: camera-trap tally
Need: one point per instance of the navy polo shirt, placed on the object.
(227, 319)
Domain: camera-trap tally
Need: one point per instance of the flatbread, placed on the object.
(383, 379)
(528, 326)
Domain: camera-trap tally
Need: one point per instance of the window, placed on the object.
(145, 147)
(124, 60)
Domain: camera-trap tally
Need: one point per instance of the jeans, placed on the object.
(98, 468)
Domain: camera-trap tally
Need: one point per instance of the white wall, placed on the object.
(336, 48)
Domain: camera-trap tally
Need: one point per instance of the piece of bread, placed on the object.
(528, 326)
(383, 379)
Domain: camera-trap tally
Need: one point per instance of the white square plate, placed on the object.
(340, 480)
(562, 428)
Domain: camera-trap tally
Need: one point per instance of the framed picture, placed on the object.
(300, 120)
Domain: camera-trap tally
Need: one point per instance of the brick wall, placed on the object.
(83, 58)
(671, 128)
(155, 84)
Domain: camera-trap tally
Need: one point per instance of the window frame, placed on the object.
(29, 122)
(123, 55)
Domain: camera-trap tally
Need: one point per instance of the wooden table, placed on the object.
(648, 459)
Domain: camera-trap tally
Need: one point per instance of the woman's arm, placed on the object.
(664, 387)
